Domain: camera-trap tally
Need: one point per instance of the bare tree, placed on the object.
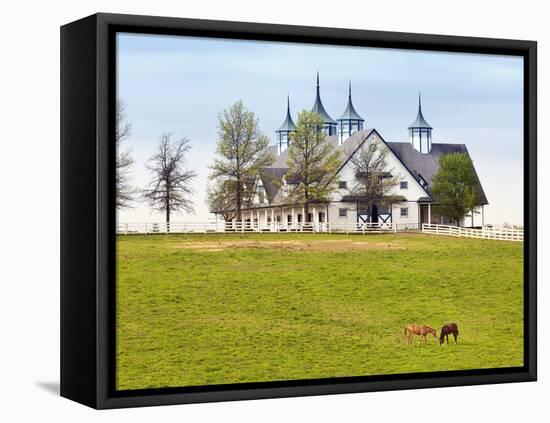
(374, 180)
(124, 160)
(241, 153)
(170, 186)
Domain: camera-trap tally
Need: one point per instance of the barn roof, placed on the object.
(425, 166)
(420, 166)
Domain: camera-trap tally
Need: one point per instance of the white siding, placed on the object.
(412, 193)
(333, 212)
(413, 217)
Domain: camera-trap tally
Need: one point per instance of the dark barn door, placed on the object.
(374, 215)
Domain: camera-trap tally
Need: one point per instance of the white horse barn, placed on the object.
(414, 163)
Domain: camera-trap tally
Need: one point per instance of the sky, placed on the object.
(180, 84)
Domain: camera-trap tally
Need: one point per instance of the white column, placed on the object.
(429, 214)
(482, 216)
(293, 219)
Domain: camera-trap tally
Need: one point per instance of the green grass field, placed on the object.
(216, 309)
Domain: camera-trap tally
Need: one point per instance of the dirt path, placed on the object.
(310, 245)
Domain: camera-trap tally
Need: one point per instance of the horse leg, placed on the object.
(447, 337)
(454, 334)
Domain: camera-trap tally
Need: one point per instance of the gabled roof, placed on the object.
(350, 113)
(271, 179)
(418, 165)
(288, 124)
(319, 108)
(426, 165)
(420, 122)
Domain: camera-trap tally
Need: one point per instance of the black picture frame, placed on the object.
(88, 214)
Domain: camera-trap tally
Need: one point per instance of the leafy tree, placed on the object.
(241, 153)
(313, 162)
(221, 199)
(170, 186)
(455, 187)
(374, 180)
(124, 160)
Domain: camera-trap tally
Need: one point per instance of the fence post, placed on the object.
(145, 228)
(125, 229)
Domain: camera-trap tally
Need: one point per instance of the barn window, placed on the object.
(342, 184)
(404, 212)
(404, 185)
(343, 212)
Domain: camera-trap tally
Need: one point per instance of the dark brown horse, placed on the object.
(449, 328)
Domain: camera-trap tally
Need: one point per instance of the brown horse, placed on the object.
(446, 330)
(420, 330)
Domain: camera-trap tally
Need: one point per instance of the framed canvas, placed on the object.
(256, 211)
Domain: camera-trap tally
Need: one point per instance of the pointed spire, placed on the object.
(350, 113)
(318, 106)
(288, 124)
(420, 122)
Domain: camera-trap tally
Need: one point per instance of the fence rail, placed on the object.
(244, 227)
(505, 234)
(502, 234)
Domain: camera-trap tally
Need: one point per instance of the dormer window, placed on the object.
(422, 181)
(342, 185)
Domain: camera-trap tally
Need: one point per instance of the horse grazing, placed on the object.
(446, 330)
(420, 330)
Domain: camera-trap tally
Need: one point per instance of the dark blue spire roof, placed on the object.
(319, 109)
(288, 124)
(420, 122)
(350, 113)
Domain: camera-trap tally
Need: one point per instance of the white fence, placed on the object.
(503, 234)
(245, 227)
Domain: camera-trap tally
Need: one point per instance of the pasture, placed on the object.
(216, 308)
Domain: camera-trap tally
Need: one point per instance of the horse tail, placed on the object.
(456, 328)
